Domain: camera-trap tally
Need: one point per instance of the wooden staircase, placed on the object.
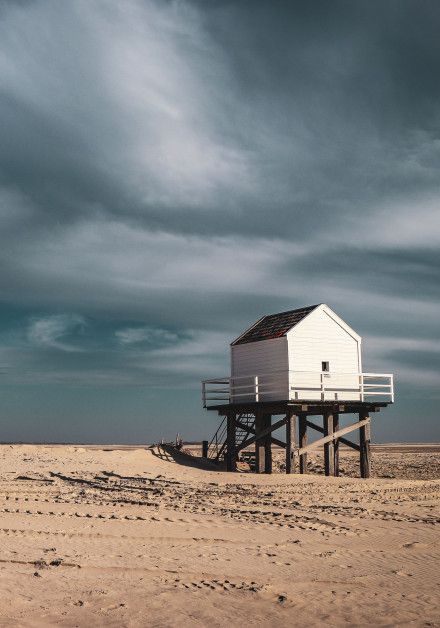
(217, 445)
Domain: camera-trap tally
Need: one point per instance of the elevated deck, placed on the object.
(306, 406)
(299, 388)
(249, 402)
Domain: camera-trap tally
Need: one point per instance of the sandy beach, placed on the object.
(94, 536)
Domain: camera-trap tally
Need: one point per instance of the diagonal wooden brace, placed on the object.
(251, 430)
(263, 433)
(334, 436)
(344, 441)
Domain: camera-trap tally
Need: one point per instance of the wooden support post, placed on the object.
(260, 450)
(231, 455)
(294, 421)
(329, 454)
(267, 423)
(303, 441)
(336, 444)
(290, 442)
(204, 448)
(364, 446)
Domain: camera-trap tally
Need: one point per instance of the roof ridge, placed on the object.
(299, 309)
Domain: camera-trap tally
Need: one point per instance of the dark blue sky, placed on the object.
(170, 171)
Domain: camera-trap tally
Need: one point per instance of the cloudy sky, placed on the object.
(170, 171)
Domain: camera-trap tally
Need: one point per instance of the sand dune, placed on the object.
(102, 536)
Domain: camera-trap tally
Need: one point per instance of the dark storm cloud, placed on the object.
(308, 111)
(389, 271)
(178, 169)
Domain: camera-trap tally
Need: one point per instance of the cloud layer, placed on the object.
(170, 171)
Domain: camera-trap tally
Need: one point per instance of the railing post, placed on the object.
(361, 385)
(392, 388)
(257, 396)
(322, 387)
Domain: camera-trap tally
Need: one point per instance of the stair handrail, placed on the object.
(218, 436)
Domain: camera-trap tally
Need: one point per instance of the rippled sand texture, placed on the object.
(90, 537)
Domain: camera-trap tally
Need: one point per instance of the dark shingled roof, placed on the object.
(274, 325)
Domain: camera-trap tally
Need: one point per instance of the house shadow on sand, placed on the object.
(171, 454)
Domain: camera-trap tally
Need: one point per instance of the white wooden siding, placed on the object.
(321, 338)
(291, 366)
(266, 359)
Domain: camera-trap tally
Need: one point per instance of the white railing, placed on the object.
(299, 386)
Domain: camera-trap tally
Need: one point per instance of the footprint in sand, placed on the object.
(218, 585)
(401, 573)
(414, 545)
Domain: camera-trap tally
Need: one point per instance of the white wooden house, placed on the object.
(304, 354)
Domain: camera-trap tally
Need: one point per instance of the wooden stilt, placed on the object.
(329, 454)
(303, 442)
(260, 450)
(364, 446)
(267, 423)
(261, 433)
(231, 455)
(205, 448)
(294, 423)
(288, 445)
(336, 444)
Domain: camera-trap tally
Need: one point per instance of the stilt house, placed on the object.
(299, 363)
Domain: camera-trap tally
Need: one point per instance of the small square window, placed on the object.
(325, 367)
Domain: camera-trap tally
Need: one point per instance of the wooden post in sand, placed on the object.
(267, 422)
(336, 443)
(288, 444)
(290, 441)
(329, 454)
(260, 448)
(204, 448)
(231, 456)
(303, 441)
(364, 446)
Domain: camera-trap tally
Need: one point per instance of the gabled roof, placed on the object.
(274, 325)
